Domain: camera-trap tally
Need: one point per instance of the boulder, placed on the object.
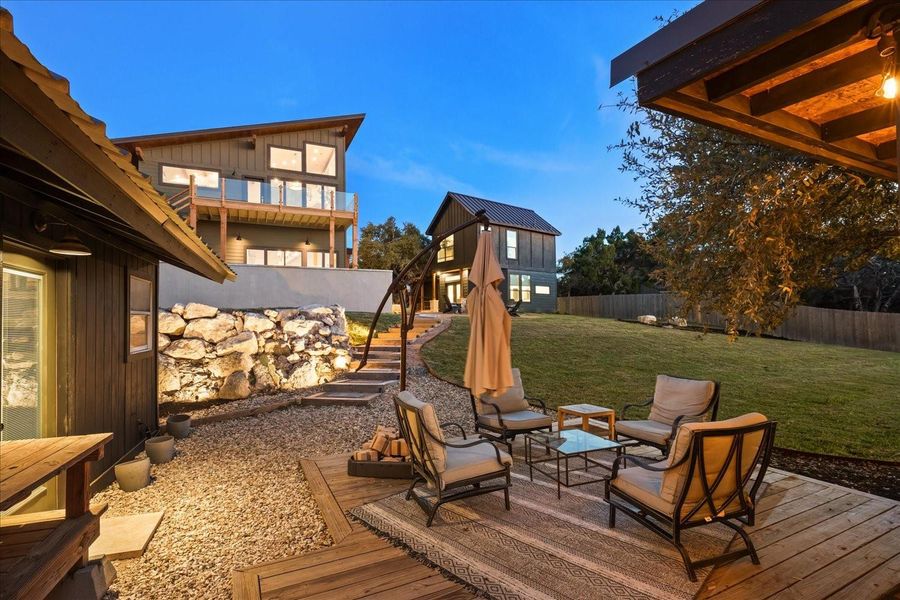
(647, 319)
(213, 330)
(299, 327)
(186, 349)
(195, 310)
(678, 321)
(324, 331)
(243, 342)
(272, 314)
(265, 377)
(257, 322)
(286, 314)
(162, 340)
(316, 311)
(235, 386)
(303, 376)
(167, 378)
(223, 366)
(169, 323)
(178, 309)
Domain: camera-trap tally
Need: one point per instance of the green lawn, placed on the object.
(358, 324)
(828, 399)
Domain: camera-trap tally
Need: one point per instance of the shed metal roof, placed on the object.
(497, 213)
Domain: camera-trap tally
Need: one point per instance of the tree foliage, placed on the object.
(874, 287)
(743, 228)
(387, 246)
(616, 263)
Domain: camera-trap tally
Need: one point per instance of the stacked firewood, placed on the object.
(386, 445)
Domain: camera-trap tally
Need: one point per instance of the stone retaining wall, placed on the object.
(208, 354)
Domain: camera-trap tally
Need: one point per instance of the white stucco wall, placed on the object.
(261, 286)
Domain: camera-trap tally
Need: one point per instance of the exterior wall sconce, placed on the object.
(69, 245)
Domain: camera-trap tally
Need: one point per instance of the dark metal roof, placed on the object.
(497, 213)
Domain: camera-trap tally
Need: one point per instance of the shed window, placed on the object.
(320, 160)
(255, 256)
(318, 259)
(520, 287)
(140, 311)
(173, 175)
(512, 244)
(286, 159)
(445, 252)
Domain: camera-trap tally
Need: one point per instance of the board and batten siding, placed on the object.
(238, 158)
(272, 237)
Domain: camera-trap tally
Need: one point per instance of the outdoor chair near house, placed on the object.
(513, 309)
(452, 469)
(676, 400)
(705, 479)
(451, 307)
(509, 414)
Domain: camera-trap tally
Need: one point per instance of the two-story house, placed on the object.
(524, 243)
(267, 194)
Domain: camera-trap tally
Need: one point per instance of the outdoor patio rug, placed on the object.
(544, 547)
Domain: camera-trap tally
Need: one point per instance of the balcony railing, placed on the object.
(261, 192)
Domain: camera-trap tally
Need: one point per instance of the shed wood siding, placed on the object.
(539, 302)
(272, 237)
(239, 156)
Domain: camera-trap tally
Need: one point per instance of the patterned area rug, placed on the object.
(544, 547)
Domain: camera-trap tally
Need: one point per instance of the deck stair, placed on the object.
(382, 369)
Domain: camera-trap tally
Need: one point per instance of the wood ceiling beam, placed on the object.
(816, 43)
(855, 68)
(865, 121)
(886, 150)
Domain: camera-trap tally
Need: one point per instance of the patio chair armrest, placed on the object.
(496, 410)
(531, 401)
(644, 463)
(641, 405)
(457, 425)
(475, 443)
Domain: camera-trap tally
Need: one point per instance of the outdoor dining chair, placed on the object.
(509, 414)
(705, 479)
(452, 469)
(675, 400)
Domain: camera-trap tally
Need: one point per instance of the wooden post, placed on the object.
(192, 192)
(331, 235)
(355, 263)
(280, 196)
(223, 233)
(222, 190)
(78, 497)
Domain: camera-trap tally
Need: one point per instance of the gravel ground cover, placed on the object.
(235, 494)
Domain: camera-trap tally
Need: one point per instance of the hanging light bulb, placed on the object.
(887, 49)
(888, 87)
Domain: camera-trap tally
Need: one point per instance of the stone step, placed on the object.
(378, 353)
(378, 363)
(367, 373)
(385, 347)
(340, 398)
(370, 386)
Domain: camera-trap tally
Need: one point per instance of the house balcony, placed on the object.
(245, 201)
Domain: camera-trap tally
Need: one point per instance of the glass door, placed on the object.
(22, 364)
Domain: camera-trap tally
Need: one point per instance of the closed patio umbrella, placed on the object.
(489, 363)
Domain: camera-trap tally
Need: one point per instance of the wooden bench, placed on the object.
(37, 550)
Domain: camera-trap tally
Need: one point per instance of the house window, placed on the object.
(293, 258)
(256, 256)
(275, 258)
(512, 244)
(140, 309)
(542, 289)
(445, 252)
(182, 176)
(321, 160)
(319, 196)
(286, 159)
(291, 190)
(519, 287)
(318, 259)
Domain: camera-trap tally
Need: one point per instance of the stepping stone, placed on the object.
(125, 537)
(339, 398)
(371, 386)
(367, 373)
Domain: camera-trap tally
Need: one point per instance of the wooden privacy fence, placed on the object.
(876, 331)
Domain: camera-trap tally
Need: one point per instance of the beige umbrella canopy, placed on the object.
(488, 364)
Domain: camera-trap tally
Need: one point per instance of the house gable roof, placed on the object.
(127, 194)
(349, 123)
(497, 213)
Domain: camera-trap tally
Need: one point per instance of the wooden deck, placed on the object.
(815, 540)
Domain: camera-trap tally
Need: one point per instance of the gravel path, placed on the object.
(235, 494)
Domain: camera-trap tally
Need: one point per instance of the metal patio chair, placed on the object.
(509, 414)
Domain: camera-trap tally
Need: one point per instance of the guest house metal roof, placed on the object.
(497, 213)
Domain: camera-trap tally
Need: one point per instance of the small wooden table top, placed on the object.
(26, 464)
(587, 412)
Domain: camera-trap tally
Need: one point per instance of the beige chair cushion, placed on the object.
(644, 486)
(465, 463)
(715, 452)
(430, 422)
(647, 431)
(512, 400)
(675, 397)
(521, 419)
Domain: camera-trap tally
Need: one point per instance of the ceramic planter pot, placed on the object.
(179, 426)
(134, 474)
(160, 449)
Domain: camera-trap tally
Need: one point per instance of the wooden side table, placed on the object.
(588, 412)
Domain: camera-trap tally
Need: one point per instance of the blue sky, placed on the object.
(498, 100)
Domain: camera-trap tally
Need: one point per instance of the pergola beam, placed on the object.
(865, 121)
(834, 35)
(855, 68)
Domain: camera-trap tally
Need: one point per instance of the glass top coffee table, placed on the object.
(564, 445)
